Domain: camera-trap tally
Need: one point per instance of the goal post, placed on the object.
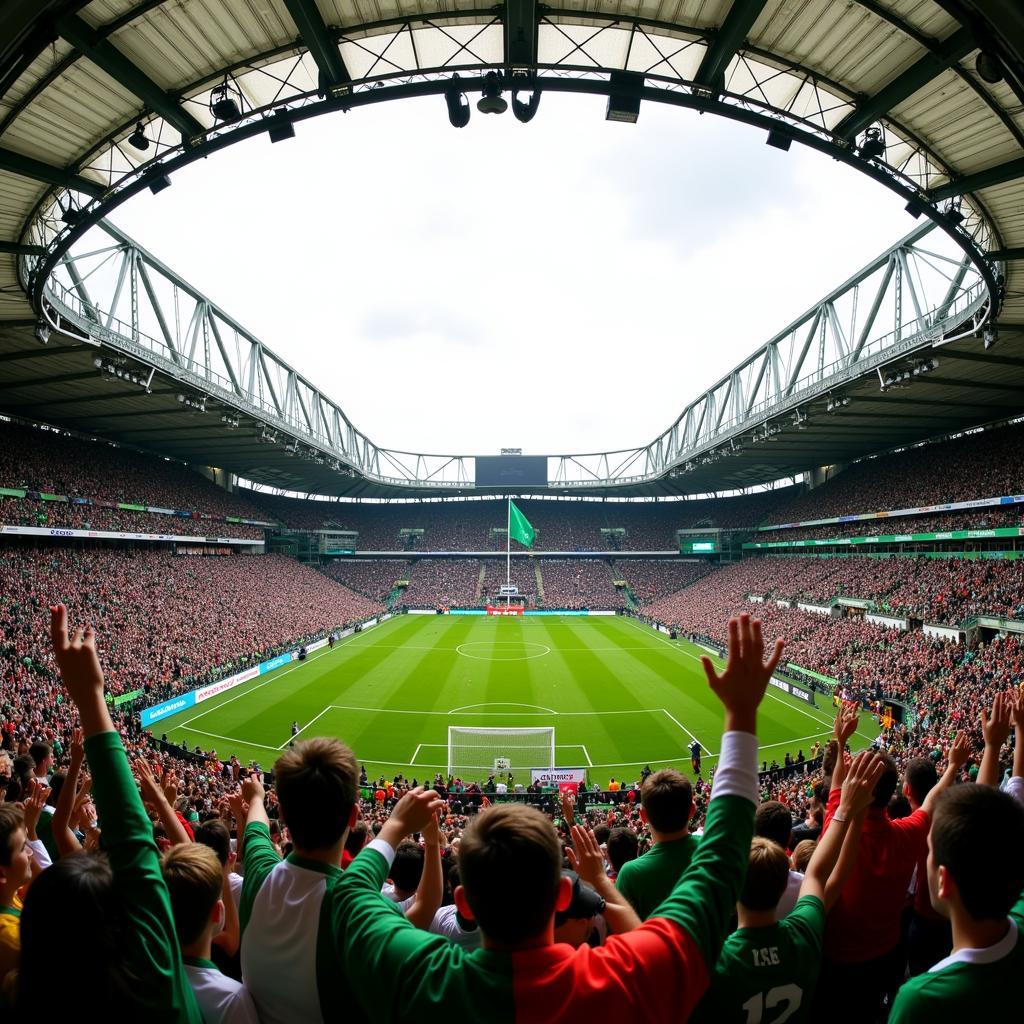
(493, 750)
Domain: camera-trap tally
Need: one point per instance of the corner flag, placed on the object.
(519, 527)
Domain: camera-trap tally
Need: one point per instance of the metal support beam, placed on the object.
(110, 59)
(1003, 255)
(918, 75)
(17, 249)
(321, 46)
(16, 163)
(728, 39)
(520, 33)
(998, 175)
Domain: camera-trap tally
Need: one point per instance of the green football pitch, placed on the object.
(618, 694)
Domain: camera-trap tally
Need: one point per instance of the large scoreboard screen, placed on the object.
(512, 471)
(699, 546)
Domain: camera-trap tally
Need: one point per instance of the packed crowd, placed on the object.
(373, 579)
(57, 463)
(650, 580)
(939, 590)
(934, 522)
(979, 465)
(896, 896)
(579, 583)
(164, 622)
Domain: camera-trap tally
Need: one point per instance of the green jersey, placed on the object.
(649, 880)
(970, 984)
(768, 975)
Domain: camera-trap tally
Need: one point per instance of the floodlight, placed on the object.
(915, 208)
(281, 127)
(138, 140)
(990, 336)
(458, 106)
(524, 111)
(70, 216)
(989, 67)
(158, 182)
(779, 140)
(624, 98)
(42, 332)
(954, 214)
(872, 145)
(224, 102)
(491, 102)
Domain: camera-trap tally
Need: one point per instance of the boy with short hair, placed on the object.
(666, 804)
(769, 965)
(195, 881)
(976, 878)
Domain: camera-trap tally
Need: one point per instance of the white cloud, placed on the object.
(567, 285)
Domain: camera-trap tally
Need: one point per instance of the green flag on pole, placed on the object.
(519, 527)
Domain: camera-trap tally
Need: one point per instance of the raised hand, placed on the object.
(34, 806)
(568, 805)
(151, 791)
(80, 670)
(995, 728)
(413, 813)
(252, 789)
(585, 857)
(742, 685)
(845, 724)
(77, 747)
(960, 751)
(859, 785)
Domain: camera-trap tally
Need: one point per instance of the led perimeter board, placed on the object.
(512, 471)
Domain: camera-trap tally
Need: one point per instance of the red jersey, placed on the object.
(865, 922)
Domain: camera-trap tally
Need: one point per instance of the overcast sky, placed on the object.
(562, 286)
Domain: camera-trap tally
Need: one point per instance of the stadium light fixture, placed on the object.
(492, 101)
(624, 98)
(524, 111)
(225, 101)
(137, 139)
(158, 182)
(779, 140)
(459, 109)
(872, 145)
(281, 127)
(989, 67)
(42, 332)
(70, 214)
(915, 208)
(990, 336)
(955, 214)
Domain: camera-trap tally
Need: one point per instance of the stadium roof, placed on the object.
(942, 82)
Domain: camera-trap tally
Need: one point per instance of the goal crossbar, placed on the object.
(481, 748)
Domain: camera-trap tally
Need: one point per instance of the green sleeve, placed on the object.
(149, 947)
(805, 924)
(705, 897)
(913, 1003)
(428, 975)
(44, 829)
(260, 859)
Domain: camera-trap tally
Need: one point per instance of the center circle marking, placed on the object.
(493, 651)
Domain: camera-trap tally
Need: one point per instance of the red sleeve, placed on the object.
(830, 809)
(655, 972)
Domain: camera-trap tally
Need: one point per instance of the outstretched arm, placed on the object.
(588, 862)
(995, 728)
(955, 761)
(821, 878)
(66, 840)
(430, 891)
(153, 794)
(150, 946)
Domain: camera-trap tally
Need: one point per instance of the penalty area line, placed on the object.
(710, 753)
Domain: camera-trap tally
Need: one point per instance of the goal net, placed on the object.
(500, 750)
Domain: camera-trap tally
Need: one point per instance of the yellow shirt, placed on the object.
(10, 938)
